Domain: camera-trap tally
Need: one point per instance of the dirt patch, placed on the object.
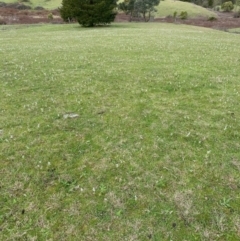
(16, 16)
(222, 22)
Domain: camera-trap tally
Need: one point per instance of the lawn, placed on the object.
(127, 132)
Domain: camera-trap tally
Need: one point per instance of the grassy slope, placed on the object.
(51, 4)
(154, 153)
(234, 30)
(168, 7)
(165, 8)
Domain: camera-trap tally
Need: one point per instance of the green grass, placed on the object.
(47, 4)
(168, 7)
(234, 30)
(154, 153)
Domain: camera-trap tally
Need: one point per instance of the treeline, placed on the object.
(139, 9)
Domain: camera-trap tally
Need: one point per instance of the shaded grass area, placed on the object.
(234, 30)
(154, 152)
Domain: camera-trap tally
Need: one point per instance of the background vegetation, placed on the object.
(129, 132)
(165, 8)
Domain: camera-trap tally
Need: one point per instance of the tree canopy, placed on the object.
(139, 8)
(89, 13)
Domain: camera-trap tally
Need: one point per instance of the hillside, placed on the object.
(165, 8)
(168, 7)
(47, 4)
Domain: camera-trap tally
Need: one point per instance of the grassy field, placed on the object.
(128, 132)
(168, 7)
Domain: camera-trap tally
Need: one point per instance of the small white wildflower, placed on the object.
(49, 163)
(81, 189)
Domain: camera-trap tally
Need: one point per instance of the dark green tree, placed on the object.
(146, 8)
(127, 6)
(68, 10)
(227, 6)
(89, 13)
(139, 8)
